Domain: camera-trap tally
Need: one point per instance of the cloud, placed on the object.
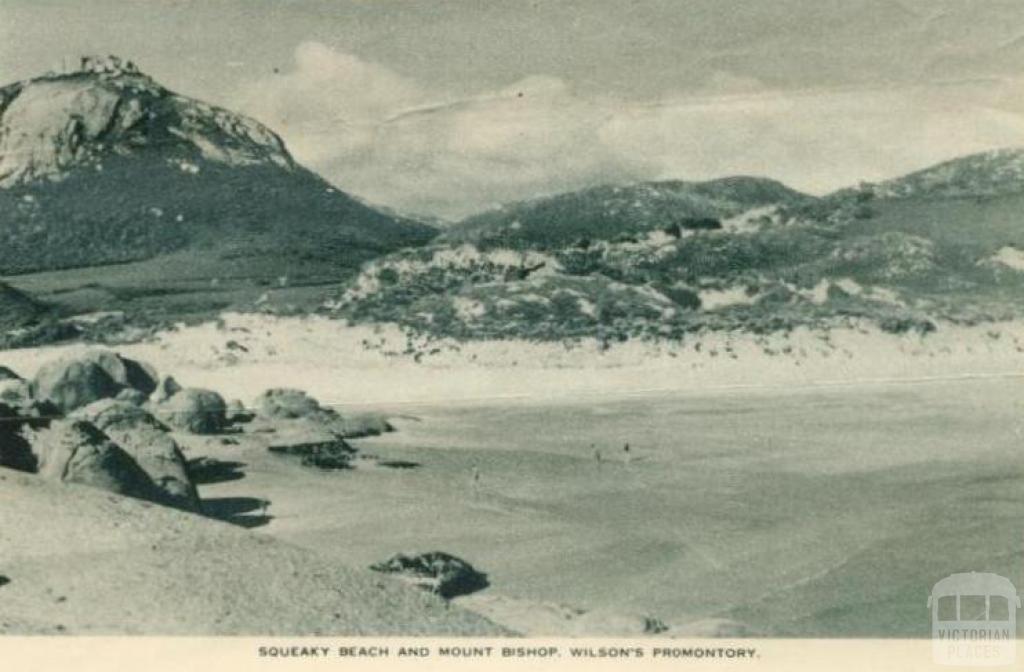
(330, 103)
(380, 136)
(386, 138)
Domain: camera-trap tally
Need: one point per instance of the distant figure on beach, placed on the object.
(625, 451)
(597, 453)
(476, 481)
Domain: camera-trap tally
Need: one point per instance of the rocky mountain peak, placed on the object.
(107, 65)
(101, 164)
(53, 125)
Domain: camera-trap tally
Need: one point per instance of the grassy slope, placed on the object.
(182, 285)
(606, 212)
(17, 308)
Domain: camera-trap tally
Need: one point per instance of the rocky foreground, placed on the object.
(95, 423)
(104, 420)
(76, 560)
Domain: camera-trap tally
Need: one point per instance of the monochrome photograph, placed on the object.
(662, 319)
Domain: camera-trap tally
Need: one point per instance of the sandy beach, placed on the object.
(787, 504)
(804, 520)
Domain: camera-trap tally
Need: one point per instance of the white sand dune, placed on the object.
(331, 361)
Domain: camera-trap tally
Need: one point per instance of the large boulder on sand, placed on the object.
(436, 571)
(73, 382)
(336, 455)
(317, 445)
(144, 438)
(128, 373)
(286, 403)
(193, 409)
(17, 394)
(278, 404)
(15, 451)
(75, 451)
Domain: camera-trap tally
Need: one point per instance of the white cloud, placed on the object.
(382, 136)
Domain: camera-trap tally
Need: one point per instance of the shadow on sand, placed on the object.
(206, 470)
(398, 464)
(238, 510)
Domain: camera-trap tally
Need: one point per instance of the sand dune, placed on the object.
(242, 355)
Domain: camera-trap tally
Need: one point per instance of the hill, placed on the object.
(991, 173)
(610, 212)
(103, 165)
(906, 255)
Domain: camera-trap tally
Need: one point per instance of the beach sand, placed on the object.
(827, 513)
(820, 490)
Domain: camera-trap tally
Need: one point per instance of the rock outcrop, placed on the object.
(309, 440)
(436, 571)
(15, 451)
(80, 420)
(287, 404)
(106, 165)
(148, 442)
(75, 451)
(76, 381)
(193, 409)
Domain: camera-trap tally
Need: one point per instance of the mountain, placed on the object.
(609, 212)
(647, 261)
(103, 165)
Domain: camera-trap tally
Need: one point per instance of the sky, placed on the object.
(449, 107)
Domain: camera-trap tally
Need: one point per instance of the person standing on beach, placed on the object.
(625, 451)
(476, 481)
(597, 454)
